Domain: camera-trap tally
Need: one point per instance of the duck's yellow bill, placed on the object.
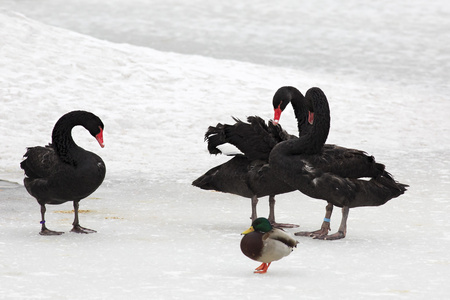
(249, 230)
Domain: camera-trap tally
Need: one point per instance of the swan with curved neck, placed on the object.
(329, 172)
(314, 128)
(289, 94)
(63, 171)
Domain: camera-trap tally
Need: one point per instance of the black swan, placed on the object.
(332, 173)
(246, 175)
(63, 171)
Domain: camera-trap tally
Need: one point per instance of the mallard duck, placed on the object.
(262, 242)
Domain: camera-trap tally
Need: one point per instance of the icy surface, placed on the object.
(383, 66)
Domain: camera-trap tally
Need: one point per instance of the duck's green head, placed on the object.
(261, 225)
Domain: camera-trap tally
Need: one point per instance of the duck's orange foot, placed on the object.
(262, 268)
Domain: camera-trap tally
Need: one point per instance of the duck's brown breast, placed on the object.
(252, 245)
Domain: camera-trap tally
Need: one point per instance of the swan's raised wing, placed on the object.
(254, 139)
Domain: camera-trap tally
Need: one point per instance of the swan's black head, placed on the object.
(283, 96)
(95, 127)
(62, 130)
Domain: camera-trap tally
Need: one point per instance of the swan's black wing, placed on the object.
(254, 139)
(341, 176)
(240, 176)
(347, 177)
(346, 162)
(40, 162)
(278, 133)
(341, 191)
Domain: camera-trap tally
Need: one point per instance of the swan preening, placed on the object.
(246, 175)
(282, 163)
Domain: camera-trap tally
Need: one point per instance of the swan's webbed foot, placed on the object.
(318, 234)
(335, 236)
(322, 234)
(283, 225)
(314, 234)
(79, 229)
(45, 231)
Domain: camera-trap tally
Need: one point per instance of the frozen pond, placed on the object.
(170, 241)
(158, 73)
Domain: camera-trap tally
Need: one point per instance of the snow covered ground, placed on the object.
(158, 73)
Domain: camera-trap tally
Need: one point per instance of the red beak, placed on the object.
(99, 138)
(276, 117)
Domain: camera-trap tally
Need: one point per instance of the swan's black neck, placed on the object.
(62, 140)
(318, 104)
(289, 94)
(298, 103)
(314, 135)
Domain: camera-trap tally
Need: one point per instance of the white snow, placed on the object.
(158, 73)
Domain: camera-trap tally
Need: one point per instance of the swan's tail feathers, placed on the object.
(205, 182)
(396, 188)
(229, 177)
(378, 191)
(201, 182)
